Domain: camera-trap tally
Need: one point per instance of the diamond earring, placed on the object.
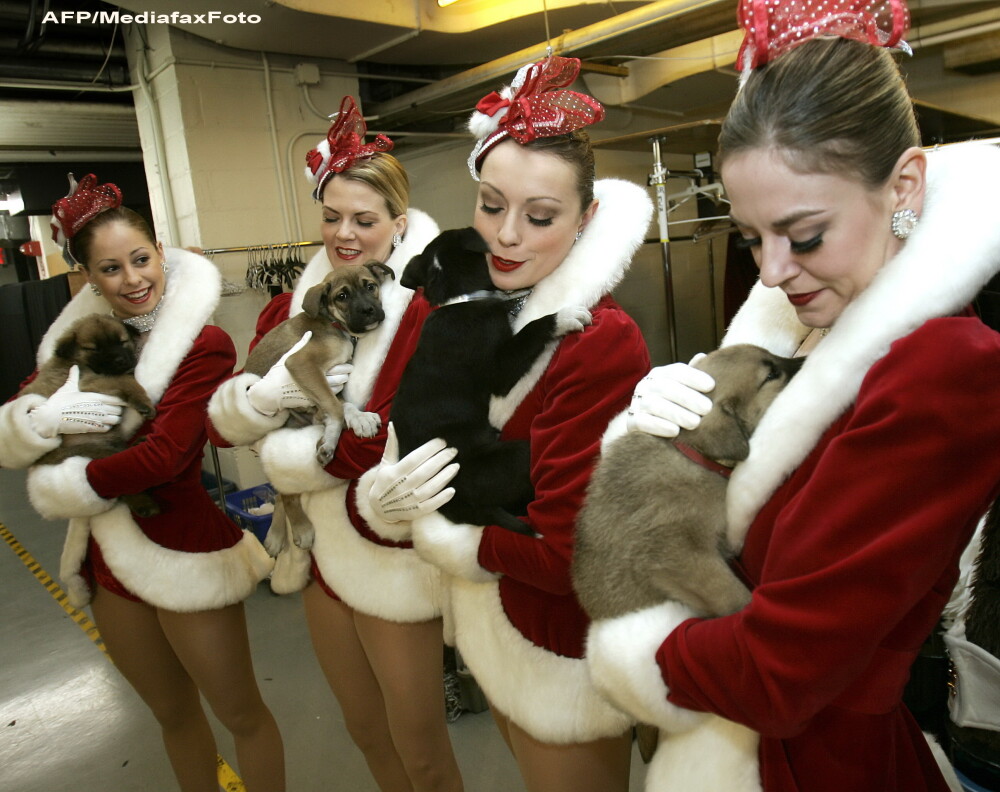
(164, 266)
(397, 240)
(903, 223)
(95, 290)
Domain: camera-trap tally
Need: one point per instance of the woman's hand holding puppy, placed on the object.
(72, 411)
(414, 486)
(670, 398)
(276, 390)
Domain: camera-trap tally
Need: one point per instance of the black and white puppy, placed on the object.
(466, 354)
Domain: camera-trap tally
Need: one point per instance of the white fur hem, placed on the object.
(549, 696)
(391, 583)
(715, 755)
(232, 416)
(288, 457)
(454, 547)
(170, 579)
(20, 445)
(62, 491)
(621, 655)
(393, 531)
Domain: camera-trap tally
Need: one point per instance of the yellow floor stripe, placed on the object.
(228, 779)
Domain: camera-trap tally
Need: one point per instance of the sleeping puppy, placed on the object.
(104, 349)
(653, 524)
(466, 354)
(344, 306)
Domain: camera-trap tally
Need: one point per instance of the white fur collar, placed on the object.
(372, 348)
(192, 293)
(954, 251)
(595, 265)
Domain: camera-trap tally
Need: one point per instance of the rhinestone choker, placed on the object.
(144, 322)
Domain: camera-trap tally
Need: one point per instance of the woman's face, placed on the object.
(818, 237)
(127, 267)
(357, 227)
(528, 211)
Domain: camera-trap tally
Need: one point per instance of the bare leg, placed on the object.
(349, 674)
(214, 648)
(413, 691)
(140, 650)
(598, 766)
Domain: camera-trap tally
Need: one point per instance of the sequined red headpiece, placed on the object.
(344, 145)
(535, 105)
(85, 201)
(773, 27)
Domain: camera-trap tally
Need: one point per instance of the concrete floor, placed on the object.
(69, 721)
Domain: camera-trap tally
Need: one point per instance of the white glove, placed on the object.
(670, 398)
(72, 411)
(276, 390)
(415, 486)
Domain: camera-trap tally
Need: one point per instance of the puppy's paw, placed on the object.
(274, 540)
(363, 424)
(572, 320)
(325, 451)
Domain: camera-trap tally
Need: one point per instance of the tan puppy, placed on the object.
(338, 310)
(105, 351)
(653, 524)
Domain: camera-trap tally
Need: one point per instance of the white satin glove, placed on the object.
(670, 398)
(72, 411)
(276, 390)
(414, 486)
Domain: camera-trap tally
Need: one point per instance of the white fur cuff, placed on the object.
(621, 655)
(617, 428)
(393, 531)
(453, 547)
(62, 491)
(234, 418)
(20, 444)
(289, 460)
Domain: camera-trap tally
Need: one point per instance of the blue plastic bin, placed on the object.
(238, 505)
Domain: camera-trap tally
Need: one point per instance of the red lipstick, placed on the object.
(503, 265)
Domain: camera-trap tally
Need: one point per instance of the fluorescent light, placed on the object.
(445, 3)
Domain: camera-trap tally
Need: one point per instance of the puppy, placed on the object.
(652, 527)
(466, 354)
(343, 307)
(105, 351)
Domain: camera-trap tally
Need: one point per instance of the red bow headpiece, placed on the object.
(344, 145)
(535, 105)
(85, 201)
(773, 27)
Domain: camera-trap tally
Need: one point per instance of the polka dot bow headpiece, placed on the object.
(536, 104)
(85, 201)
(344, 145)
(773, 27)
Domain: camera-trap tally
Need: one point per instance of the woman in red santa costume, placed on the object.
(373, 606)
(568, 240)
(166, 591)
(869, 473)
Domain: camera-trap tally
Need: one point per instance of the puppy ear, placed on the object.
(66, 346)
(415, 274)
(381, 271)
(313, 301)
(471, 240)
(721, 434)
(132, 332)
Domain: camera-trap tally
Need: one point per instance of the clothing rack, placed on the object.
(265, 246)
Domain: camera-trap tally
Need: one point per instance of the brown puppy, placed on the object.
(653, 524)
(338, 310)
(105, 351)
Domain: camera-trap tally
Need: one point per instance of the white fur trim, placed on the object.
(73, 555)
(946, 261)
(392, 583)
(291, 570)
(976, 696)
(20, 444)
(768, 320)
(173, 579)
(621, 654)
(548, 695)
(61, 491)
(288, 457)
(715, 755)
(194, 286)
(454, 547)
(394, 532)
(616, 429)
(234, 418)
(595, 265)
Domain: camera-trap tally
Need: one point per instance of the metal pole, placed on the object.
(658, 179)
